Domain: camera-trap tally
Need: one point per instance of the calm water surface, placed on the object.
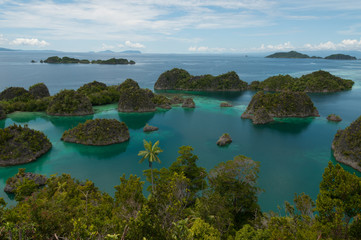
(293, 152)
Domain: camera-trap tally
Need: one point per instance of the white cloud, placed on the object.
(29, 42)
(346, 44)
(107, 47)
(134, 45)
(283, 46)
(120, 45)
(206, 49)
(3, 40)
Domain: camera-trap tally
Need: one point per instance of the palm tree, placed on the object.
(151, 153)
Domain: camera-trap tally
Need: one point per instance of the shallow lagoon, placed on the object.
(293, 152)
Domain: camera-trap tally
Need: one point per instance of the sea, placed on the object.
(292, 153)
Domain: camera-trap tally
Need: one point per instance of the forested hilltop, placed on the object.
(294, 54)
(56, 59)
(185, 202)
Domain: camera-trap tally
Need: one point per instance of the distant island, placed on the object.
(56, 59)
(294, 54)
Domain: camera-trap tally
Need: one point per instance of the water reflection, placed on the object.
(219, 95)
(65, 123)
(136, 120)
(287, 125)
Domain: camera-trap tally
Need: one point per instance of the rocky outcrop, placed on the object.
(149, 128)
(162, 101)
(334, 118)
(261, 116)
(225, 104)
(180, 79)
(177, 100)
(188, 103)
(13, 182)
(92, 87)
(13, 92)
(225, 139)
(98, 132)
(21, 145)
(346, 145)
(2, 113)
(136, 100)
(128, 84)
(39, 90)
(280, 105)
(69, 103)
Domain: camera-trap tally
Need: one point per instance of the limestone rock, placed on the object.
(149, 128)
(188, 103)
(225, 139)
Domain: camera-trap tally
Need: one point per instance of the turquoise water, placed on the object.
(293, 152)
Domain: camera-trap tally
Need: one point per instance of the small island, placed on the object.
(180, 79)
(149, 128)
(69, 103)
(224, 140)
(346, 145)
(99, 93)
(67, 60)
(98, 132)
(340, 57)
(279, 105)
(13, 182)
(315, 82)
(14, 93)
(334, 118)
(188, 103)
(20, 145)
(39, 90)
(290, 54)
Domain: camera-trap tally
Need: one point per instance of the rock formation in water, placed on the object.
(21, 145)
(225, 139)
(334, 118)
(280, 105)
(177, 100)
(98, 132)
(136, 100)
(340, 57)
(261, 116)
(162, 101)
(13, 92)
(13, 182)
(180, 79)
(225, 104)
(39, 90)
(149, 128)
(188, 103)
(69, 103)
(346, 145)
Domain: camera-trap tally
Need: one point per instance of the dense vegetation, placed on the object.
(319, 81)
(347, 145)
(280, 105)
(291, 54)
(99, 93)
(185, 202)
(21, 145)
(98, 132)
(2, 113)
(19, 99)
(340, 57)
(56, 59)
(69, 103)
(180, 79)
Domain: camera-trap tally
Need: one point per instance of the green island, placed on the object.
(21, 145)
(183, 201)
(2, 113)
(346, 145)
(340, 57)
(98, 132)
(180, 79)
(69, 103)
(318, 81)
(99, 93)
(66, 60)
(290, 54)
(279, 105)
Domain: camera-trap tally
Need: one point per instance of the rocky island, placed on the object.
(180, 79)
(13, 182)
(340, 57)
(290, 54)
(67, 60)
(334, 118)
(149, 128)
(98, 132)
(346, 145)
(224, 140)
(316, 82)
(188, 103)
(39, 90)
(21, 145)
(69, 103)
(266, 106)
(99, 93)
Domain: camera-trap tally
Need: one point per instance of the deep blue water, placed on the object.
(293, 152)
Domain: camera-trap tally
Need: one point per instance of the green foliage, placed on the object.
(98, 132)
(21, 144)
(39, 90)
(136, 100)
(201, 230)
(179, 79)
(247, 232)
(56, 59)
(69, 103)
(291, 54)
(340, 57)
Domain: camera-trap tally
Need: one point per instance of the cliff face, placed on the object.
(69, 103)
(136, 100)
(98, 132)
(347, 145)
(39, 90)
(180, 79)
(21, 145)
(281, 105)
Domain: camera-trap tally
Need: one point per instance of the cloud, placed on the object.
(107, 47)
(283, 46)
(346, 44)
(29, 42)
(207, 49)
(133, 45)
(3, 40)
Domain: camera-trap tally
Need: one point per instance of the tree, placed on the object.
(151, 153)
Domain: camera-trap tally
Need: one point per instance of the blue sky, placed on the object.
(181, 26)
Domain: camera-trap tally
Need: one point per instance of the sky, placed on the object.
(181, 26)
